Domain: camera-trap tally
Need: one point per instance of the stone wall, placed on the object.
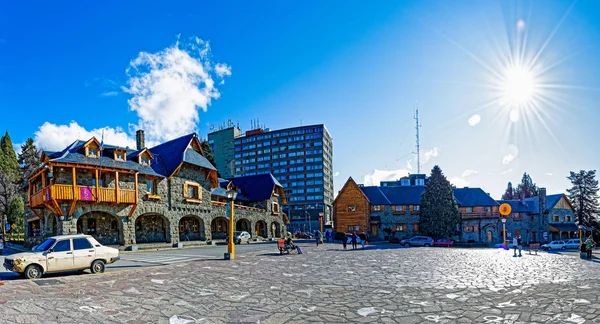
(104, 227)
(152, 228)
(191, 228)
(389, 219)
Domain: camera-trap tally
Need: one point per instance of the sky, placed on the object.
(502, 87)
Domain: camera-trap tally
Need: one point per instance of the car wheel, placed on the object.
(248, 241)
(97, 266)
(426, 245)
(406, 245)
(33, 272)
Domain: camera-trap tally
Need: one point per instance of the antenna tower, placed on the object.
(418, 146)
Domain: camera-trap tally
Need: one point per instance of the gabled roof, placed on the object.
(517, 207)
(532, 204)
(175, 152)
(350, 181)
(471, 197)
(258, 187)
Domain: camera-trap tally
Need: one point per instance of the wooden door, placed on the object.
(374, 229)
(489, 236)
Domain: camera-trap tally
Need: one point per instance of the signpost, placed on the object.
(505, 210)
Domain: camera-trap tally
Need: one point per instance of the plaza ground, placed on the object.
(323, 285)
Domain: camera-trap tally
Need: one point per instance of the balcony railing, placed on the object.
(242, 207)
(84, 193)
(467, 215)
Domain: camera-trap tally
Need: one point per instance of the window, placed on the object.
(399, 208)
(352, 208)
(488, 209)
(377, 207)
(81, 244)
(91, 226)
(416, 207)
(151, 186)
(400, 228)
(144, 160)
(92, 152)
(275, 208)
(192, 191)
(120, 156)
(62, 246)
(420, 182)
(555, 218)
(352, 228)
(415, 227)
(568, 219)
(469, 209)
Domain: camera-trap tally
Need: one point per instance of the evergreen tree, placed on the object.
(29, 158)
(9, 176)
(509, 194)
(8, 158)
(526, 187)
(584, 196)
(439, 212)
(208, 154)
(16, 216)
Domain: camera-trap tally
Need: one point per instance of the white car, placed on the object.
(554, 245)
(62, 253)
(572, 244)
(240, 237)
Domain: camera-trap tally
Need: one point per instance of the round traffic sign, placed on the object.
(505, 209)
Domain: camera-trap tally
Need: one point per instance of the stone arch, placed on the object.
(490, 233)
(243, 224)
(191, 228)
(219, 228)
(152, 228)
(104, 227)
(275, 229)
(260, 228)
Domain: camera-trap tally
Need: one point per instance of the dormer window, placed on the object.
(92, 152)
(144, 160)
(120, 155)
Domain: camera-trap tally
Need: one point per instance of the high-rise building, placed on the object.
(301, 158)
(221, 144)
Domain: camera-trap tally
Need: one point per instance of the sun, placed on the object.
(518, 87)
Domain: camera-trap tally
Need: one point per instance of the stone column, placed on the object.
(207, 227)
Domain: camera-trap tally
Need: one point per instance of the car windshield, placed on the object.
(44, 246)
(237, 233)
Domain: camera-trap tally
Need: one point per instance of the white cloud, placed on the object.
(549, 174)
(434, 152)
(336, 174)
(513, 152)
(468, 173)
(109, 93)
(506, 172)
(167, 88)
(474, 120)
(377, 176)
(459, 182)
(54, 137)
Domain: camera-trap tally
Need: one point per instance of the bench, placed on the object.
(534, 247)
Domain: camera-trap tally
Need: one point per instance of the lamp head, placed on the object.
(231, 194)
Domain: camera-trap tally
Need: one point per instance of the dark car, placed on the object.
(418, 241)
(443, 242)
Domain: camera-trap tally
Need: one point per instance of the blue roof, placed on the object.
(517, 207)
(471, 197)
(407, 195)
(257, 187)
(532, 204)
(375, 196)
(172, 152)
(195, 158)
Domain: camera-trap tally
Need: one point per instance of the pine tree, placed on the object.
(509, 194)
(526, 187)
(208, 154)
(16, 212)
(9, 176)
(29, 158)
(439, 212)
(584, 196)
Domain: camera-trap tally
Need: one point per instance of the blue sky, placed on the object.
(68, 71)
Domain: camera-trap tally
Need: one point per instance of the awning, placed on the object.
(563, 227)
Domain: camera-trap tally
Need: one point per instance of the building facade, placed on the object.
(301, 158)
(166, 194)
(221, 144)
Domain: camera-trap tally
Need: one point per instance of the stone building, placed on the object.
(392, 209)
(166, 194)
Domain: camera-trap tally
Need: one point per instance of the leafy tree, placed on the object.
(526, 187)
(584, 196)
(509, 193)
(29, 158)
(439, 212)
(16, 212)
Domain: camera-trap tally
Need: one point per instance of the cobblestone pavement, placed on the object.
(323, 285)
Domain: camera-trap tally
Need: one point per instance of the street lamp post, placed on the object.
(231, 195)
(504, 230)
(580, 237)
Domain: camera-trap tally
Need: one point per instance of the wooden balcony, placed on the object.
(478, 215)
(62, 192)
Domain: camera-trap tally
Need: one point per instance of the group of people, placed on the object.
(589, 246)
(329, 236)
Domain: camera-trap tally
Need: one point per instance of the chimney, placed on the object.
(139, 139)
(542, 200)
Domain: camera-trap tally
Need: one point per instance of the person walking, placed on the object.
(520, 242)
(363, 239)
(515, 245)
(589, 246)
(345, 241)
(318, 237)
(354, 237)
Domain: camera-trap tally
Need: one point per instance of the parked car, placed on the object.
(62, 253)
(418, 241)
(240, 237)
(443, 242)
(304, 235)
(554, 245)
(572, 244)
